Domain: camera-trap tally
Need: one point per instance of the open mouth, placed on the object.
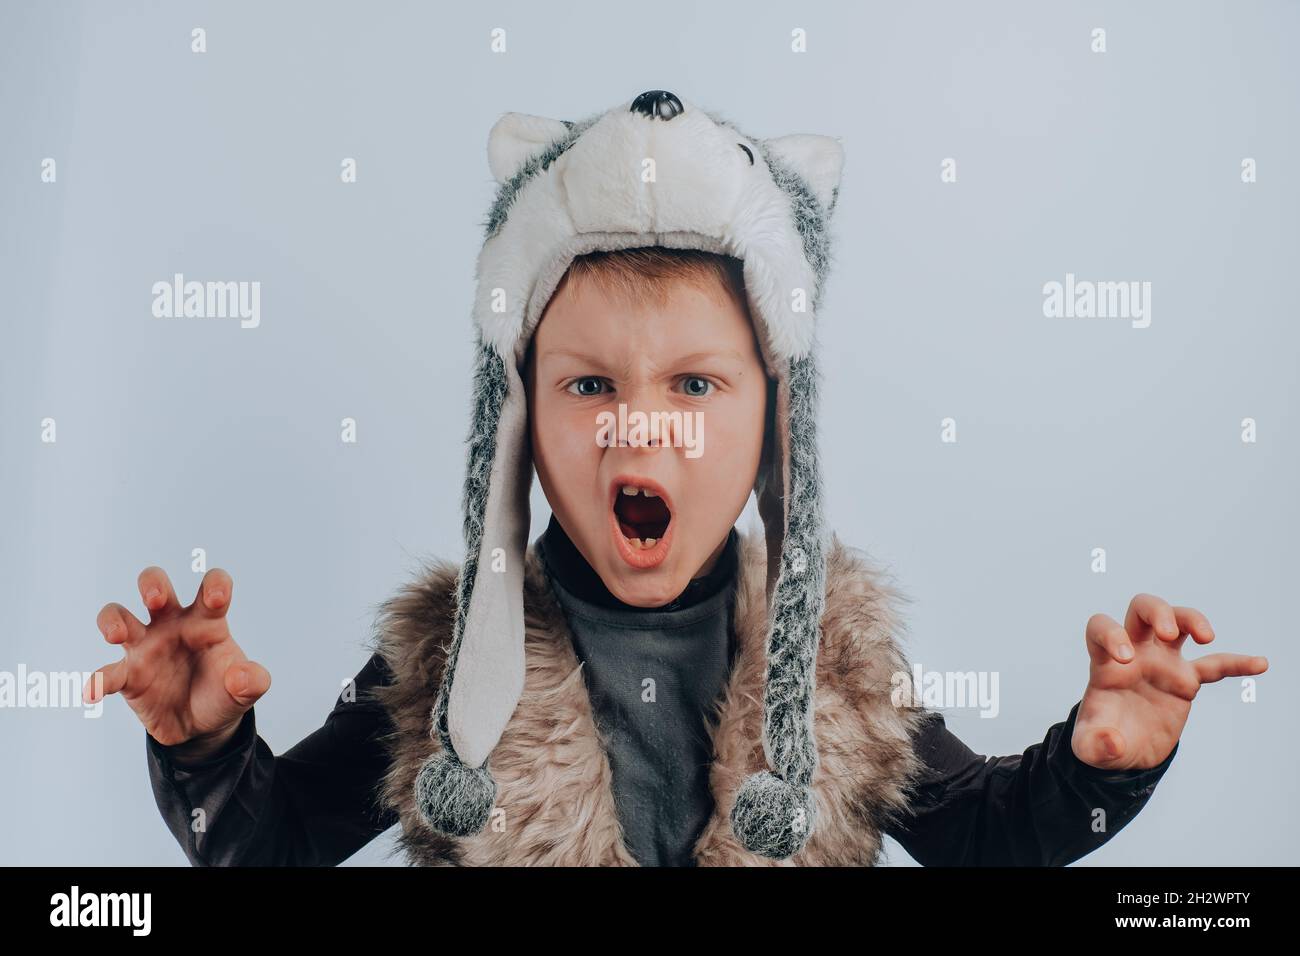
(642, 520)
(642, 515)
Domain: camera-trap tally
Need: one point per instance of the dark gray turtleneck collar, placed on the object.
(654, 676)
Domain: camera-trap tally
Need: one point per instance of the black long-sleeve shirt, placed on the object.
(315, 805)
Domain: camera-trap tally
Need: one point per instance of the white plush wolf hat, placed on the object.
(658, 171)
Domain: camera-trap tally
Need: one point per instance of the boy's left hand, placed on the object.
(1140, 688)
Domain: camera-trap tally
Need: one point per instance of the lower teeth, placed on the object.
(642, 543)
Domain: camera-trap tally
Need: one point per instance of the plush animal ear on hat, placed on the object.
(517, 136)
(566, 189)
(818, 159)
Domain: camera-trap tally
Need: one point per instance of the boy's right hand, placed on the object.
(183, 674)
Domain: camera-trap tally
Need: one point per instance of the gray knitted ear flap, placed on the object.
(774, 813)
(451, 797)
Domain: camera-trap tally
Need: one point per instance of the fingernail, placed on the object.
(1125, 651)
(152, 593)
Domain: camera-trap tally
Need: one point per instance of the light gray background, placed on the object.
(1073, 434)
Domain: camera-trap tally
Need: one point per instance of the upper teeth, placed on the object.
(633, 489)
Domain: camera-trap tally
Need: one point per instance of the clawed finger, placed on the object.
(157, 591)
(108, 679)
(213, 599)
(1103, 746)
(118, 625)
(247, 682)
(1107, 640)
(1154, 612)
(1216, 667)
(1193, 622)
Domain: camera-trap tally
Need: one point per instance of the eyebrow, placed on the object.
(683, 360)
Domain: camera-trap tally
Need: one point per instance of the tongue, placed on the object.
(642, 517)
(641, 510)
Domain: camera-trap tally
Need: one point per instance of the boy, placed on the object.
(610, 695)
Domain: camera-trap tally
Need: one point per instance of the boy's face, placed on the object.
(696, 356)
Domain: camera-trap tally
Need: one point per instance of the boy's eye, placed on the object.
(586, 387)
(696, 387)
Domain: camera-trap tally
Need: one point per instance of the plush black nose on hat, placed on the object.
(658, 103)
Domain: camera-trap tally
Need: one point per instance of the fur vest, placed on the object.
(555, 805)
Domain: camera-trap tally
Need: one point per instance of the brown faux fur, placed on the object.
(555, 806)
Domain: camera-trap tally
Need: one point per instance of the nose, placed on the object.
(658, 103)
(659, 427)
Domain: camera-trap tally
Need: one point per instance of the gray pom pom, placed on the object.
(771, 817)
(452, 798)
